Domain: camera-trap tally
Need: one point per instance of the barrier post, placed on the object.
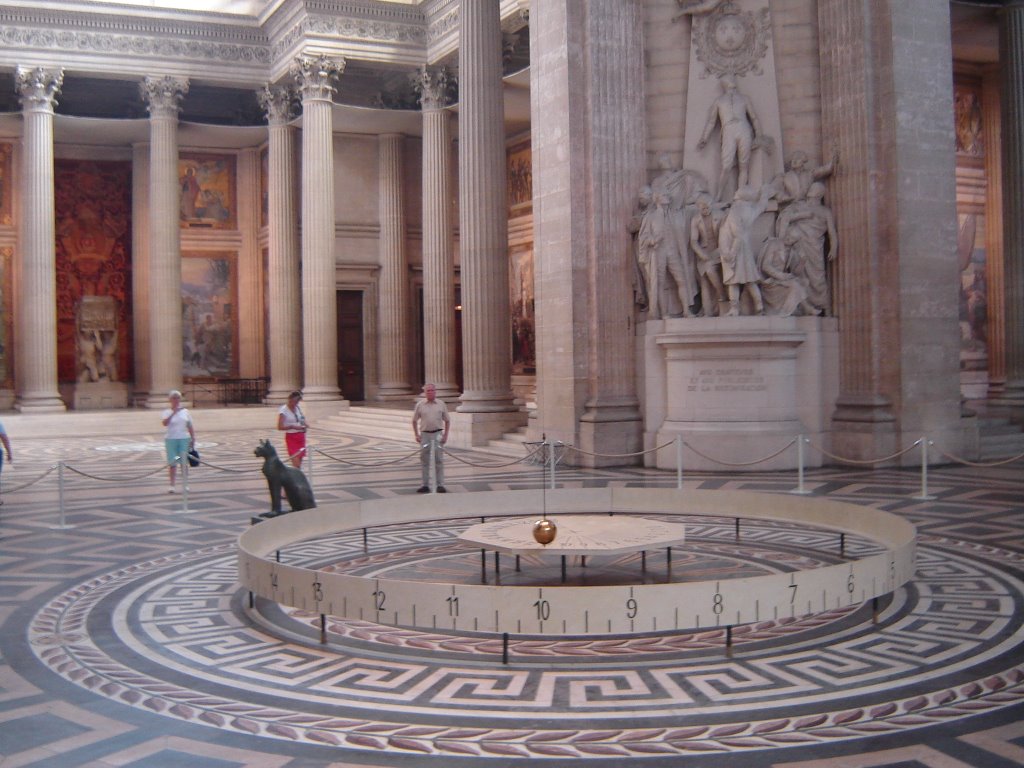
(309, 472)
(184, 484)
(679, 461)
(924, 470)
(800, 467)
(60, 496)
(551, 459)
(433, 467)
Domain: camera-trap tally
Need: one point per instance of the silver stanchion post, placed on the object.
(60, 496)
(679, 461)
(800, 466)
(184, 484)
(309, 471)
(433, 466)
(551, 459)
(924, 470)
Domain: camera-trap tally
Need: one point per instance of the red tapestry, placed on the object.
(94, 232)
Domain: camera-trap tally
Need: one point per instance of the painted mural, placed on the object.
(207, 187)
(93, 256)
(209, 289)
(6, 185)
(6, 319)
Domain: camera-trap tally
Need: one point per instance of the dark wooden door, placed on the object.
(350, 345)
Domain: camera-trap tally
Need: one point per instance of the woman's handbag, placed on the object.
(193, 457)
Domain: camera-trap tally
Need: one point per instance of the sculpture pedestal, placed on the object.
(97, 395)
(738, 390)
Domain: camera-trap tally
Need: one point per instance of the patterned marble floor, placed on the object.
(125, 640)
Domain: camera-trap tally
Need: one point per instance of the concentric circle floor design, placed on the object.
(175, 636)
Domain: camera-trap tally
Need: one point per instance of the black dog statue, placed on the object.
(296, 486)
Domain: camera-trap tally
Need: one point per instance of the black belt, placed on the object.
(428, 431)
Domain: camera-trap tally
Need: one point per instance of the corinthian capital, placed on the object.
(315, 76)
(38, 87)
(278, 103)
(163, 95)
(433, 87)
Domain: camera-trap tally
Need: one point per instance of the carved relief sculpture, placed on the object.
(739, 267)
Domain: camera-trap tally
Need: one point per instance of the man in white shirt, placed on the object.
(430, 425)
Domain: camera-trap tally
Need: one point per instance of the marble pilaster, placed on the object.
(393, 309)
(1011, 56)
(994, 255)
(163, 97)
(140, 271)
(36, 362)
(314, 77)
(284, 299)
(588, 163)
(483, 214)
(439, 354)
(896, 274)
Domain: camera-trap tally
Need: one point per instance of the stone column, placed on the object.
(439, 353)
(483, 224)
(393, 306)
(283, 295)
(588, 163)
(994, 253)
(36, 364)
(1011, 57)
(895, 279)
(314, 77)
(140, 271)
(163, 97)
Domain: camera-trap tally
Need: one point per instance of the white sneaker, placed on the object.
(171, 489)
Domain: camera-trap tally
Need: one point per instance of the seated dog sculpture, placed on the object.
(295, 485)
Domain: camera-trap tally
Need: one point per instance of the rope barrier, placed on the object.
(865, 462)
(617, 455)
(367, 466)
(80, 473)
(769, 457)
(980, 464)
(523, 460)
(30, 483)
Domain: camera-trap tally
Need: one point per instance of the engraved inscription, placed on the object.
(727, 380)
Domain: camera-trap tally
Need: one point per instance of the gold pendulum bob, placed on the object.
(544, 531)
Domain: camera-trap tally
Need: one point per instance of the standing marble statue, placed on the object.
(679, 188)
(812, 222)
(640, 287)
(741, 134)
(739, 265)
(704, 228)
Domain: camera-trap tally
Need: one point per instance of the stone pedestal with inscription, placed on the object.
(738, 391)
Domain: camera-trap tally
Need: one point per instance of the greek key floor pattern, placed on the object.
(126, 641)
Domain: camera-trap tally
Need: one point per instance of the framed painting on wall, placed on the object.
(209, 312)
(6, 318)
(6, 185)
(207, 188)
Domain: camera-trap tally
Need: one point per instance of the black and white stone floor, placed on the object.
(126, 641)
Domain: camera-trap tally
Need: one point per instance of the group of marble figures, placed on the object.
(764, 252)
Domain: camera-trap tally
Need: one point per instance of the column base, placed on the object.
(278, 395)
(40, 404)
(612, 438)
(1012, 394)
(323, 394)
(472, 429)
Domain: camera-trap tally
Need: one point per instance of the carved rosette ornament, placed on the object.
(38, 87)
(315, 76)
(731, 41)
(163, 95)
(278, 103)
(433, 87)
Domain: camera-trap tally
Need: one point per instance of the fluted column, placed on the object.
(483, 213)
(284, 299)
(1011, 56)
(995, 280)
(393, 306)
(163, 97)
(314, 77)
(588, 162)
(36, 363)
(439, 353)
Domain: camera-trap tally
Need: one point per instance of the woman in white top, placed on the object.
(180, 436)
(292, 422)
